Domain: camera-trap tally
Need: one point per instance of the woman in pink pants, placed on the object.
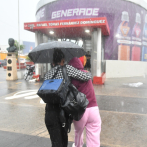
(91, 119)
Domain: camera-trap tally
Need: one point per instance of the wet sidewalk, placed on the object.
(123, 110)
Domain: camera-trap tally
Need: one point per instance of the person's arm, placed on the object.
(78, 74)
(46, 76)
(49, 74)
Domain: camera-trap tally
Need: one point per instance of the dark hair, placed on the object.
(58, 55)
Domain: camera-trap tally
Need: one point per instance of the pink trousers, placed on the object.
(91, 120)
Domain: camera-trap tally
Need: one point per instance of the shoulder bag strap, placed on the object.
(65, 76)
(64, 72)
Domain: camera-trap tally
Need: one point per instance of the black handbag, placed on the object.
(76, 102)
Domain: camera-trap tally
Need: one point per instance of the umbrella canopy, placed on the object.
(43, 53)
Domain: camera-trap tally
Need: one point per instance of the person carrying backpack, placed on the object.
(91, 119)
(54, 115)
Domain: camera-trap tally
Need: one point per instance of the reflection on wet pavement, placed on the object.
(122, 104)
(124, 129)
(115, 87)
(123, 111)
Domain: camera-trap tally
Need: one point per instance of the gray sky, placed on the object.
(9, 19)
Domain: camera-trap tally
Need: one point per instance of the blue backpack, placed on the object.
(53, 90)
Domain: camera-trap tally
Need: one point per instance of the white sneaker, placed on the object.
(73, 145)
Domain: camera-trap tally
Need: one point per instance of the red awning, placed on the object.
(69, 28)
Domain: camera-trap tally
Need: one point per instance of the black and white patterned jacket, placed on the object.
(71, 71)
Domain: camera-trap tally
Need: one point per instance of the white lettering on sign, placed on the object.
(84, 22)
(124, 41)
(95, 11)
(69, 12)
(53, 24)
(82, 11)
(42, 25)
(69, 23)
(31, 25)
(136, 39)
(63, 13)
(89, 12)
(136, 43)
(54, 15)
(58, 14)
(90, 22)
(40, 14)
(76, 12)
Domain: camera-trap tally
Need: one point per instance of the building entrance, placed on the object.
(86, 32)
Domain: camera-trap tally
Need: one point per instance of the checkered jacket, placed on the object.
(71, 71)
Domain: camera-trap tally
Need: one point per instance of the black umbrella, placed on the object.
(43, 53)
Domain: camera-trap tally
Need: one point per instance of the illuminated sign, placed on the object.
(75, 12)
(100, 22)
(67, 23)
